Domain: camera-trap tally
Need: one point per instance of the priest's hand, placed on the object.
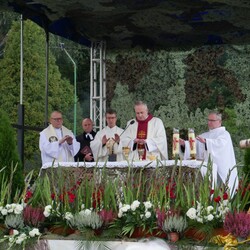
(201, 139)
(104, 140)
(88, 157)
(67, 139)
(140, 141)
(117, 138)
(182, 142)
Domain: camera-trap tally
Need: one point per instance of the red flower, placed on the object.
(61, 197)
(28, 196)
(97, 197)
(170, 189)
(217, 199)
(211, 191)
(71, 197)
(225, 196)
(53, 196)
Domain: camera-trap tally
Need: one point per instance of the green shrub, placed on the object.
(9, 155)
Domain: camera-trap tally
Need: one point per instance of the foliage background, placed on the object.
(181, 87)
(178, 86)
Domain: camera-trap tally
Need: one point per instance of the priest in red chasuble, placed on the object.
(146, 137)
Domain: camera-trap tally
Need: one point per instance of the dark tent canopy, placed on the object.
(159, 24)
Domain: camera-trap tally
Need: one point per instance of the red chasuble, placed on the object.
(142, 132)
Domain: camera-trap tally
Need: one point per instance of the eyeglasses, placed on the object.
(57, 119)
(210, 120)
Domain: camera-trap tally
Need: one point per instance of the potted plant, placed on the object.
(174, 225)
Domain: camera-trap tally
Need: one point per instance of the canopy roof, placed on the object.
(159, 24)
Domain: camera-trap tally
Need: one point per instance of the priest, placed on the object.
(106, 144)
(146, 137)
(56, 142)
(217, 144)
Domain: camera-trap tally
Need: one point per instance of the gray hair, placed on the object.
(218, 115)
(137, 103)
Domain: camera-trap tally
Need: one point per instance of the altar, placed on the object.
(190, 170)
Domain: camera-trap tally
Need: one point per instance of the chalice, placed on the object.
(140, 152)
(125, 151)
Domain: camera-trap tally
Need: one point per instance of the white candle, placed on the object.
(191, 139)
(176, 142)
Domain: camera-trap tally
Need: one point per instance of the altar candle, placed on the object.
(176, 142)
(191, 139)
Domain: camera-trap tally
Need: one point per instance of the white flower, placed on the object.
(82, 206)
(10, 207)
(120, 205)
(4, 211)
(11, 239)
(125, 208)
(191, 213)
(120, 214)
(135, 205)
(147, 214)
(69, 216)
(210, 209)
(199, 219)
(18, 209)
(21, 238)
(147, 204)
(34, 232)
(47, 211)
(15, 232)
(210, 217)
(87, 212)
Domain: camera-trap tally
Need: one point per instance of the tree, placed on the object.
(9, 155)
(60, 94)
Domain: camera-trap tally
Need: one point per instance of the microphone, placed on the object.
(130, 123)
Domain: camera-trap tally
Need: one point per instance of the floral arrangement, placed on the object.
(117, 205)
(210, 213)
(136, 215)
(19, 233)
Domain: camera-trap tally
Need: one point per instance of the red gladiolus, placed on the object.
(217, 199)
(211, 191)
(53, 196)
(71, 197)
(97, 196)
(225, 196)
(170, 188)
(28, 196)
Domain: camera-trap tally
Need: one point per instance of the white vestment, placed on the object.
(101, 152)
(50, 148)
(220, 148)
(156, 140)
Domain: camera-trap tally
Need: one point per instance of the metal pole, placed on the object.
(75, 94)
(20, 133)
(47, 80)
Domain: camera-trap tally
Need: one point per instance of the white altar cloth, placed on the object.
(138, 164)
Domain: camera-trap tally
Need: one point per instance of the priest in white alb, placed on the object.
(107, 141)
(57, 143)
(217, 144)
(146, 137)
